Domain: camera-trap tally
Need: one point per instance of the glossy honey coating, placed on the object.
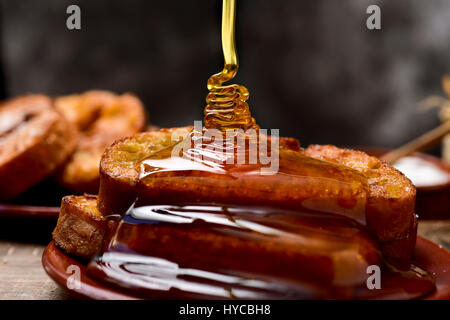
(194, 251)
(300, 182)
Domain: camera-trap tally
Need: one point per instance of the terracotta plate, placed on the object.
(428, 255)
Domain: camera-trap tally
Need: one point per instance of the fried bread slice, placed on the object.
(391, 200)
(304, 182)
(252, 241)
(81, 228)
(101, 118)
(34, 140)
(336, 254)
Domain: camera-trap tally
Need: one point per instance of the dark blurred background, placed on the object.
(312, 67)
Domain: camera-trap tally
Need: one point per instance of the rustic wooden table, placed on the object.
(22, 244)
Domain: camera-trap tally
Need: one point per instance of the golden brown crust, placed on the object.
(390, 204)
(101, 118)
(81, 228)
(34, 140)
(118, 173)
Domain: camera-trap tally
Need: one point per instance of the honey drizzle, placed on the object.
(226, 105)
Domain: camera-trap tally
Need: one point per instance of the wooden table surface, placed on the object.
(23, 241)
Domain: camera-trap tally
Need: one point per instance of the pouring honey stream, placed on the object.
(207, 225)
(226, 105)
